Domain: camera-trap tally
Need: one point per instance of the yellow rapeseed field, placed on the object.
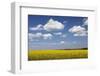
(56, 54)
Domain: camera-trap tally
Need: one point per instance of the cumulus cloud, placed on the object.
(30, 36)
(78, 31)
(85, 22)
(62, 42)
(39, 35)
(38, 27)
(34, 36)
(58, 33)
(64, 35)
(53, 25)
(83, 33)
(47, 36)
(64, 21)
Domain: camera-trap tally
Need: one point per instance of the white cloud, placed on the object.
(34, 36)
(65, 22)
(38, 27)
(85, 22)
(62, 42)
(78, 31)
(39, 35)
(30, 36)
(58, 33)
(64, 35)
(47, 36)
(83, 33)
(53, 25)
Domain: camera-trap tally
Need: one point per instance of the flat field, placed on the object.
(56, 54)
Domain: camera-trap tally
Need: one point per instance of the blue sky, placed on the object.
(57, 32)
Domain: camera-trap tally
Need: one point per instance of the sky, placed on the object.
(57, 32)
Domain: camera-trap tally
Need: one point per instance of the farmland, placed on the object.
(57, 54)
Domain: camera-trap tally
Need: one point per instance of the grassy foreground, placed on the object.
(56, 54)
